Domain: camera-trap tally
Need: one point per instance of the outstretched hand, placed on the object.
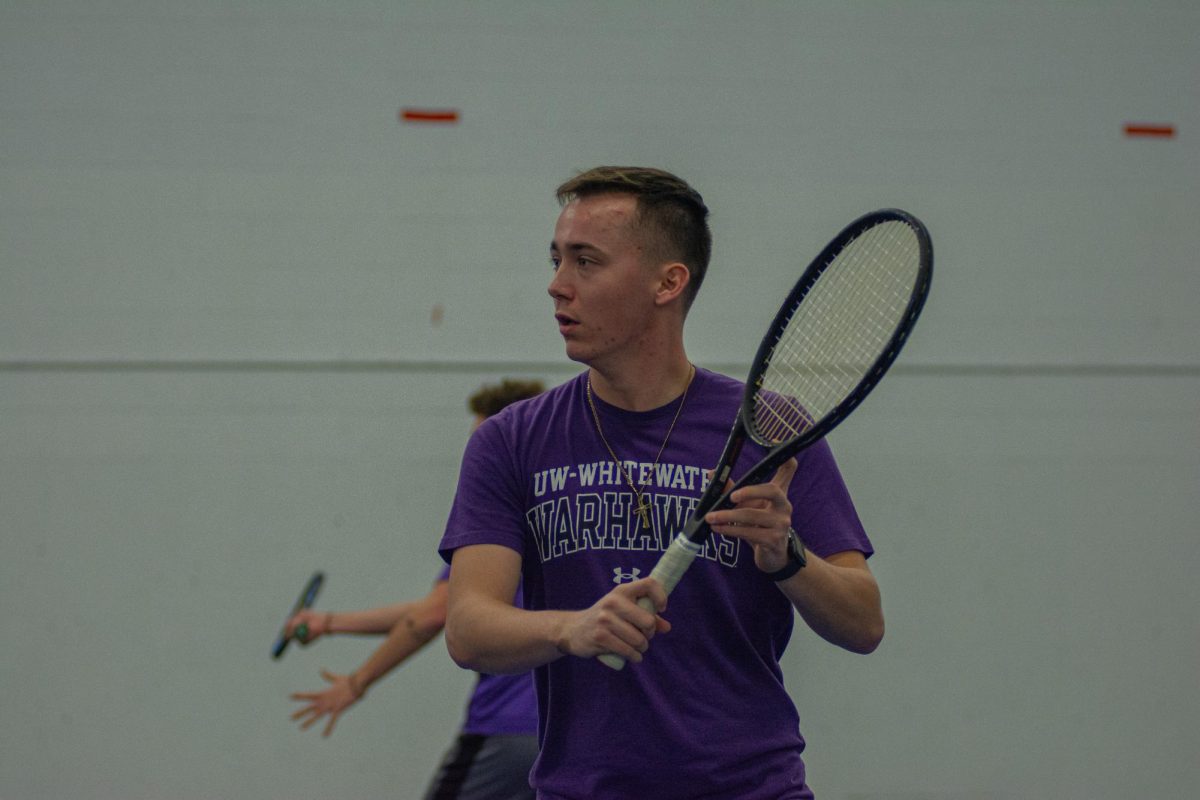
(331, 702)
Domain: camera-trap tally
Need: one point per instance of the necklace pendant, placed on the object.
(643, 511)
(643, 508)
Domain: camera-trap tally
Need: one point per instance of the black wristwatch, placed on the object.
(796, 560)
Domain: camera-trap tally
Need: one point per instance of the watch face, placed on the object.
(796, 548)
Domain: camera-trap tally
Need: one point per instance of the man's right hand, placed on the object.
(616, 624)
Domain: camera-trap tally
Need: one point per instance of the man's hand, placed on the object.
(315, 625)
(616, 624)
(761, 516)
(331, 702)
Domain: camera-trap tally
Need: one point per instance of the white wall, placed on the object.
(238, 297)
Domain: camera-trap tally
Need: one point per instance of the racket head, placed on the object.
(307, 597)
(838, 332)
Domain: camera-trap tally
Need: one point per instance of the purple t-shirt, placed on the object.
(501, 704)
(706, 713)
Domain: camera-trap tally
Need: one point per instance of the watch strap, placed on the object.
(796, 559)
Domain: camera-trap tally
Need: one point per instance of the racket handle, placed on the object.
(669, 569)
(674, 562)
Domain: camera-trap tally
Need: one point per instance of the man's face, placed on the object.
(603, 292)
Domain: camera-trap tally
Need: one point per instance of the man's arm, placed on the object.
(487, 633)
(368, 621)
(837, 596)
(414, 625)
(839, 599)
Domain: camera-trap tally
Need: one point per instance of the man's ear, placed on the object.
(673, 279)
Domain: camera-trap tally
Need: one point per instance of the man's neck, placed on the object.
(642, 385)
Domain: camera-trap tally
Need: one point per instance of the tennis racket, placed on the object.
(835, 336)
(305, 600)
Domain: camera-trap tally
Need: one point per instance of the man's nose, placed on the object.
(559, 287)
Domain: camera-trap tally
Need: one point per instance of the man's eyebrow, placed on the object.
(574, 247)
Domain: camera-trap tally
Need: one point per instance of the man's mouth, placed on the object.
(565, 323)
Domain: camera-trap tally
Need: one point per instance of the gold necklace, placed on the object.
(643, 507)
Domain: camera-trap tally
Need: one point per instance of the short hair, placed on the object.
(670, 211)
(493, 398)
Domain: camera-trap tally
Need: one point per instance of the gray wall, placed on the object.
(241, 305)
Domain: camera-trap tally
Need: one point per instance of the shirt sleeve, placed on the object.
(822, 511)
(488, 503)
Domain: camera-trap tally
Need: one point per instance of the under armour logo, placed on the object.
(626, 577)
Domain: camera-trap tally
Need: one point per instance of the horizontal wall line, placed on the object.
(565, 367)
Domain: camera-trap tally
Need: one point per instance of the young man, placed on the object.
(494, 751)
(576, 493)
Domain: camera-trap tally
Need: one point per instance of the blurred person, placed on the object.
(495, 748)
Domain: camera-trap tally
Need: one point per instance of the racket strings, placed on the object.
(838, 331)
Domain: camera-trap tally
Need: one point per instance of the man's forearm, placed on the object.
(367, 621)
(405, 639)
(497, 638)
(840, 602)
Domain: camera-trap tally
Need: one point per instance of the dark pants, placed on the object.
(478, 767)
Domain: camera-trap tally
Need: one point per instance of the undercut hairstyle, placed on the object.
(670, 214)
(493, 398)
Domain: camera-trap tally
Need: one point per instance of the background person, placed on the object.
(495, 748)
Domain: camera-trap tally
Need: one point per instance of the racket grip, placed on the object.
(669, 569)
(674, 562)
